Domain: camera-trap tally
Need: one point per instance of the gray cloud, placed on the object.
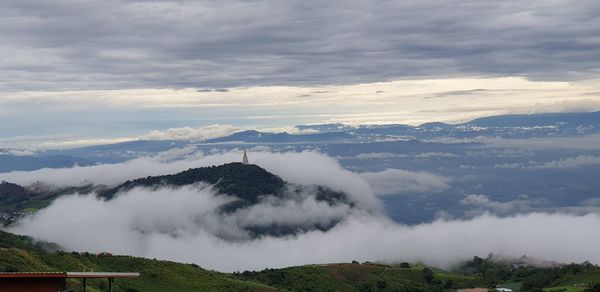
(64, 44)
(304, 168)
(181, 225)
(485, 204)
(587, 142)
(569, 162)
(398, 181)
(389, 155)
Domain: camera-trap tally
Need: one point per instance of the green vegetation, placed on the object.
(20, 254)
(360, 277)
(566, 289)
(520, 276)
(247, 182)
(16, 200)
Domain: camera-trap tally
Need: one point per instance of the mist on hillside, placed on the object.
(183, 223)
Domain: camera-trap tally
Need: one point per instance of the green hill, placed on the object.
(246, 182)
(361, 277)
(20, 254)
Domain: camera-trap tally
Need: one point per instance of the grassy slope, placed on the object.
(155, 275)
(20, 254)
(355, 277)
(588, 277)
(574, 283)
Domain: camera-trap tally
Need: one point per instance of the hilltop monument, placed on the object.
(245, 158)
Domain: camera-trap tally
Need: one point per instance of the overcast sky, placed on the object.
(107, 69)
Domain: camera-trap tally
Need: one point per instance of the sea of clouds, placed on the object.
(182, 224)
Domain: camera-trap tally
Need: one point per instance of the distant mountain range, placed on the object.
(503, 126)
(252, 136)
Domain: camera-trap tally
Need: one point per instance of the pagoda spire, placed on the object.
(245, 159)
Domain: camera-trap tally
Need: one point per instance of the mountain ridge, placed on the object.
(247, 184)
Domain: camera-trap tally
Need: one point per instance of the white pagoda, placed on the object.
(245, 158)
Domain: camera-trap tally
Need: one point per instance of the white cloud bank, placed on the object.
(398, 181)
(305, 168)
(389, 155)
(401, 101)
(193, 134)
(502, 208)
(180, 225)
(569, 162)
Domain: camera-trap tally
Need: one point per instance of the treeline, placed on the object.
(493, 271)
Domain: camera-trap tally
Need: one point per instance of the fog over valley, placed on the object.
(184, 223)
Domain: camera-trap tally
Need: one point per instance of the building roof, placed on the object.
(101, 275)
(34, 275)
(69, 275)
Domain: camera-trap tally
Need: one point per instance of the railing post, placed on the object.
(110, 280)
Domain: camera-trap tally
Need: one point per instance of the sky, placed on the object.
(86, 72)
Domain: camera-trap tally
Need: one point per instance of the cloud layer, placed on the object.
(398, 181)
(304, 168)
(569, 162)
(211, 45)
(181, 224)
(129, 67)
(69, 118)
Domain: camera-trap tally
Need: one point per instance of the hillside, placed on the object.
(246, 182)
(362, 277)
(249, 183)
(12, 194)
(20, 254)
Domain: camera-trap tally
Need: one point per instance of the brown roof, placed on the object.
(34, 275)
(69, 275)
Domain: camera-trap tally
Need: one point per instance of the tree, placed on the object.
(427, 275)
(594, 288)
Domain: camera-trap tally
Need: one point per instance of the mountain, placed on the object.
(502, 126)
(252, 136)
(248, 184)
(33, 162)
(120, 151)
(12, 195)
(538, 120)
